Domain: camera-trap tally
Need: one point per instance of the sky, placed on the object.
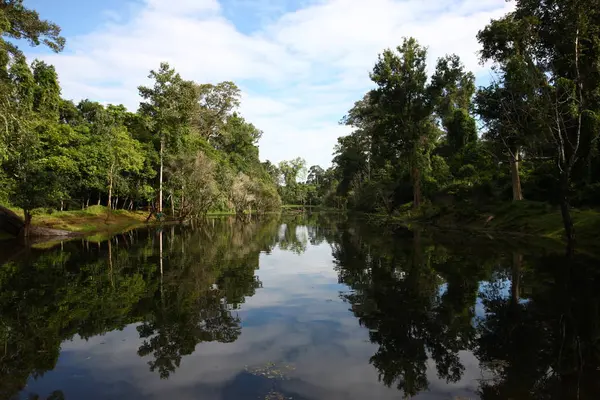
(301, 64)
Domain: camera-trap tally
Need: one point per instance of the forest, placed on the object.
(425, 137)
(186, 147)
(531, 132)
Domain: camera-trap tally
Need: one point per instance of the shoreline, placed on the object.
(524, 219)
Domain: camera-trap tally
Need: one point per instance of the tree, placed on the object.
(292, 171)
(195, 176)
(451, 90)
(273, 172)
(122, 153)
(18, 22)
(41, 153)
(405, 130)
(215, 105)
(350, 159)
(315, 174)
(241, 195)
(168, 109)
(549, 50)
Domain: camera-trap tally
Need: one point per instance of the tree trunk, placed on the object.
(565, 208)
(416, 176)
(182, 207)
(27, 223)
(516, 179)
(116, 204)
(109, 201)
(172, 205)
(160, 178)
(99, 199)
(87, 203)
(62, 205)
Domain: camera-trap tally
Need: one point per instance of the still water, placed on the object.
(317, 307)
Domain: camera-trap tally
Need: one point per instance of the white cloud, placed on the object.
(300, 73)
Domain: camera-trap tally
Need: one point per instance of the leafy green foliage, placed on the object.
(19, 22)
(55, 154)
(533, 130)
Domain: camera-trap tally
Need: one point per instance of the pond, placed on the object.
(298, 307)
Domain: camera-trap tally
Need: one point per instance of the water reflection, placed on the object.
(536, 334)
(259, 309)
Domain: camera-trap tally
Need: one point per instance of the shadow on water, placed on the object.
(529, 316)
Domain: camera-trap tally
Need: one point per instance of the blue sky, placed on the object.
(301, 64)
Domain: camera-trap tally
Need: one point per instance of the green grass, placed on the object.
(92, 219)
(521, 218)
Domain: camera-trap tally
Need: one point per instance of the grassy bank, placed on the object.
(517, 218)
(95, 221)
(91, 220)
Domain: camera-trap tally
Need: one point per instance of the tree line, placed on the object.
(530, 133)
(185, 151)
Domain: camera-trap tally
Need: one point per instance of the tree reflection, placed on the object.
(545, 347)
(539, 335)
(182, 286)
(416, 299)
(536, 334)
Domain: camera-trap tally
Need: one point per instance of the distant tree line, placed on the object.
(185, 151)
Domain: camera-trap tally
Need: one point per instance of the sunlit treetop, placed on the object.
(20, 23)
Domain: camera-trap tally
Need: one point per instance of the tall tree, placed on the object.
(451, 90)
(168, 107)
(405, 126)
(215, 104)
(552, 47)
(121, 151)
(292, 172)
(41, 153)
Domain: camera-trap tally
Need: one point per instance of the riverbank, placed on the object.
(94, 219)
(515, 218)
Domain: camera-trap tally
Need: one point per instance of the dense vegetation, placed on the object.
(186, 147)
(426, 141)
(531, 133)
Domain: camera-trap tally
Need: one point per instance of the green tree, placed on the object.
(122, 152)
(41, 154)
(451, 90)
(18, 22)
(291, 171)
(168, 107)
(406, 131)
(558, 78)
(215, 104)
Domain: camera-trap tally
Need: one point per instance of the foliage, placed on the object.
(186, 139)
(538, 127)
